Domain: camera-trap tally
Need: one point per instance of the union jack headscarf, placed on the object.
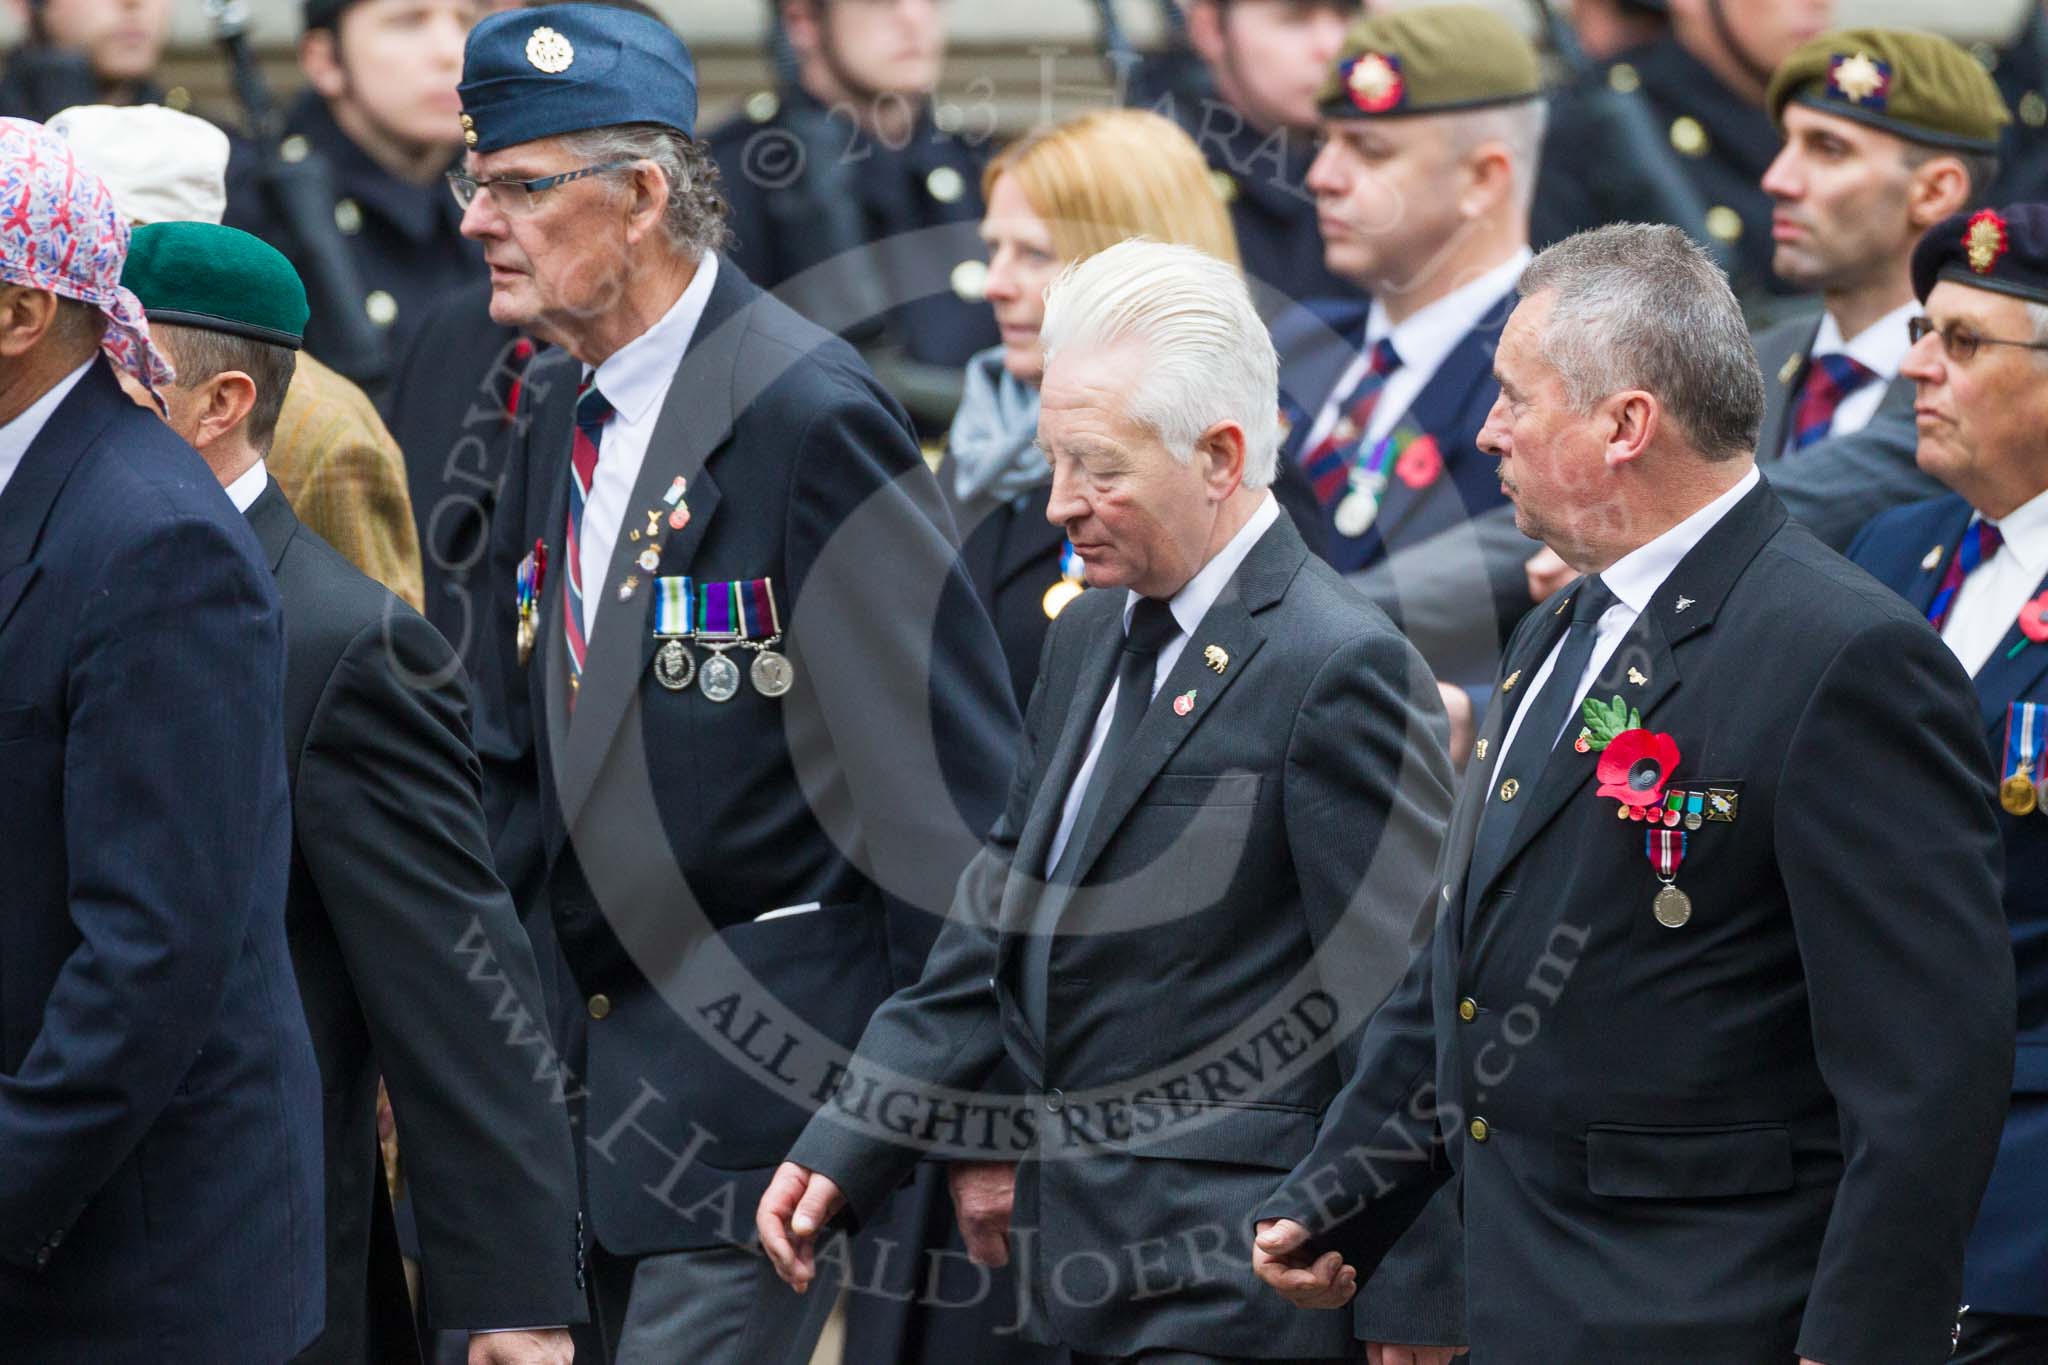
(60, 231)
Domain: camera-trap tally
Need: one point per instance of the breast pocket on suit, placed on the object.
(1718, 1161)
(1182, 844)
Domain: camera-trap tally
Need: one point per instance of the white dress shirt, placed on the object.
(1634, 580)
(18, 435)
(1424, 341)
(248, 487)
(635, 380)
(1880, 348)
(1991, 597)
(1188, 606)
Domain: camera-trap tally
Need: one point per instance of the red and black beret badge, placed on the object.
(1374, 82)
(1985, 240)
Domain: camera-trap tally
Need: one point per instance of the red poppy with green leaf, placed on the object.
(1634, 763)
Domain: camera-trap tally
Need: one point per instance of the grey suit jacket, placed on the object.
(1251, 887)
(1837, 484)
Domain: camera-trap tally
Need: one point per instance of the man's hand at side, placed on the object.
(550, 1347)
(795, 1206)
(983, 1193)
(1280, 1258)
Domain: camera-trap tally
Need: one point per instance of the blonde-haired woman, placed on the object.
(1056, 196)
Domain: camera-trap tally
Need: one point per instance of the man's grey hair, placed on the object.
(696, 210)
(1207, 357)
(1643, 307)
(2037, 319)
(1517, 127)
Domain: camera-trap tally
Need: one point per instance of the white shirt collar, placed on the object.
(18, 435)
(1199, 593)
(1880, 348)
(2024, 531)
(244, 491)
(1434, 331)
(636, 375)
(1636, 576)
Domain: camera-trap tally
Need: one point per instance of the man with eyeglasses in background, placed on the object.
(1976, 562)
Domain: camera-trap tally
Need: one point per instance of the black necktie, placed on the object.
(1541, 725)
(1152, 627)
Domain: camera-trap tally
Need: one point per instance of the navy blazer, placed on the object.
(160, 1160)
(1316, 347)
(1762, 1134)
(660, 824)
(2005, 1267)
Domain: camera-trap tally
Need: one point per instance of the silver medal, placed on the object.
(1672, 907)
(1359, 509)
(719, 678)
(771, 673)
(674, 665)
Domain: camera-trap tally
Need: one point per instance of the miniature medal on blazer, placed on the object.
(2025, 723)
(531, 579)
(674, 666)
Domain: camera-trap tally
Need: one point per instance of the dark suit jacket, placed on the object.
(159, 1104)
(449, 406)
(1764, 1133)
(1840, 482)
(663, 822)
(2005, 1269)
(1265, 850)
(412, 963)
(1432, 520)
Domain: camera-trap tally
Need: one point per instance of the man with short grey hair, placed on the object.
(1717, 1026)
(745, 721)
(1213, 864)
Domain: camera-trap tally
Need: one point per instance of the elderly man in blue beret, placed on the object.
(744, 720)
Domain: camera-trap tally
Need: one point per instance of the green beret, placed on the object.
(217, 278)
(1434, 59)
(1922, 88)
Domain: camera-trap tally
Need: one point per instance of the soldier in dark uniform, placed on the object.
(1267, 59)
(1705, 80)
(87, 52)
(2020, 68)
(848, 152)
(381, 110)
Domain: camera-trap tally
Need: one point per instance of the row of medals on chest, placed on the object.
(718, 677)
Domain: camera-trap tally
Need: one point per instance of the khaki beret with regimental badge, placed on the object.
(1434, 59)
(1914, 85)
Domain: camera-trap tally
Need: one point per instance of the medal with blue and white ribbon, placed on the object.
(674, 666)
(1666, 850)
(2017, 792)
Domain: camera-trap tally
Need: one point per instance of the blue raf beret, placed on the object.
(534, 73)
(2003, 250)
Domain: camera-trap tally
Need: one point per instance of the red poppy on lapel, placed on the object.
(1635, 765)
(1420, 463)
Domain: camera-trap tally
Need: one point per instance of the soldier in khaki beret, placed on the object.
(1886, 134)
(1433, 120)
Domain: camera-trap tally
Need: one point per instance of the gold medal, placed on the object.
(2018, 795)
(526, 634)
(1058, 596)
(1672, 907)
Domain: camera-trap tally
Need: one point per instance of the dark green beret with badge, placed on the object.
(1435, 59)
(1920, 87)
(219, 279)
